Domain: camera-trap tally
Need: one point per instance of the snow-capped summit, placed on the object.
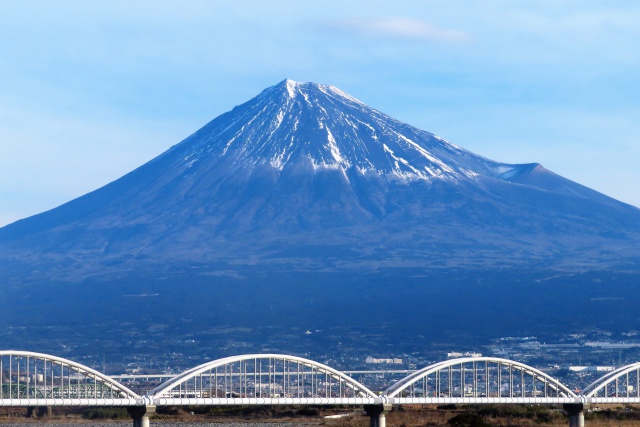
(293, 123)
(305, 165)
(303, 206)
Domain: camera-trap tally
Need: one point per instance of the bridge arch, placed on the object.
(262, 379)
(622, 383)
(28, 378)
(479, 379)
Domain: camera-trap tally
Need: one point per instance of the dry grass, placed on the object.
(401, 416)
(498, 415)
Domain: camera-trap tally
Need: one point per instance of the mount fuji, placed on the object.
(306, 185)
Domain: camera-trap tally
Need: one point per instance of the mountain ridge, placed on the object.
(239, 252)
(275, 143)
(304, 161)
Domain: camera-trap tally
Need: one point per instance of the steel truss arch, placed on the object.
(30, 379)
(479, 379)
(622, 383)
(262, 379)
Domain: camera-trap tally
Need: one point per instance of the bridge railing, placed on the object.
(27, 376)
(479, 379)
(28, 379)
(621, 385)
(262, 378)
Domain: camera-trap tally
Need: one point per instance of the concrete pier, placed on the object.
(576, 413)
(377, 414)
(140, 415)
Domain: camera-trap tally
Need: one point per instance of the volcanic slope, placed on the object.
(305, 209)
(304, 177)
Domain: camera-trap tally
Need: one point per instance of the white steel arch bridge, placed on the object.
(479, 380)
(35, 379)
(262, 379)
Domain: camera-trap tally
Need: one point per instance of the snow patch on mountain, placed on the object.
(324, 127)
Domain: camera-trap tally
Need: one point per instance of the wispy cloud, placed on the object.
(400, 28)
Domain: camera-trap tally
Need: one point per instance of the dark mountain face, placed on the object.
(303, 173)
(307, 187)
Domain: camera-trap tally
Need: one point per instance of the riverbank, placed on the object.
(407, 416)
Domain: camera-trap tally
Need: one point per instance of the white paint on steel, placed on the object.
(166, 395)
(610, 378)
(406, 382)
(71, 402)
(167, 386)
(126, 395)
(166, 401)
(480, 400)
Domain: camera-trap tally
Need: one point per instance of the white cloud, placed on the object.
(401, 28)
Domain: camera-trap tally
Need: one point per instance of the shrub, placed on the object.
(468, 420)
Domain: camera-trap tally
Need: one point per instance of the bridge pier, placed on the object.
(38, 411)
(31, 412)
(576, 413)
(377, 414)
(140, 414)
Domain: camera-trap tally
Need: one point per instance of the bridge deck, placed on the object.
(34, 379)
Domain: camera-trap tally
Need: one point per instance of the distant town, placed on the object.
(575, 359)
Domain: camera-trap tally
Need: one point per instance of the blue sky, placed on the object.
(90, 90)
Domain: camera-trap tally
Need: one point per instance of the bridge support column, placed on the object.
(377, 414)
(38, 411)
(576, 413)
(140, 414)
(31, 412)
(44, 411)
